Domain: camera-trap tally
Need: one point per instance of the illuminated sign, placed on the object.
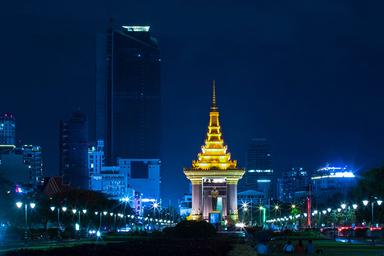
(137, 28)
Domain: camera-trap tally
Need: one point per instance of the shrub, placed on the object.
(193, 229)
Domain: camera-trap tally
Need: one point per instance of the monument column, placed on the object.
(232, 200)
(197, 207)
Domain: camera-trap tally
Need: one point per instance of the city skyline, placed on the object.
(313, 103)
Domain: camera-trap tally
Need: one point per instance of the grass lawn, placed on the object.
(330, 247)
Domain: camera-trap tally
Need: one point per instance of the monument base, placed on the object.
(195, 217)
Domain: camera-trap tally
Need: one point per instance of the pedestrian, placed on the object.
(310, 248)
(299, 248)
(288, 248)
(261, 248)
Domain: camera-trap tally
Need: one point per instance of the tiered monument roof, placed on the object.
(214, 160)
(214, 154)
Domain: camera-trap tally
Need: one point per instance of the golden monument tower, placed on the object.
(214, 176)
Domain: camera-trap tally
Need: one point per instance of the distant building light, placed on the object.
(335, 175)
(263, 181)
(137, 28)
(261, 171)
(146, 200)
(18, 189)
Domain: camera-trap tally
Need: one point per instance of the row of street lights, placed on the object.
(342, 207)
(64, 209)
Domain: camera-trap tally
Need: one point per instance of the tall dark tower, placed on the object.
(128, 96)
(259, 172)
(74, 150)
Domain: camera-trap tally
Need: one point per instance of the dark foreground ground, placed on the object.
(142, 246)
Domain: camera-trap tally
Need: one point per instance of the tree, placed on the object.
(369, 187)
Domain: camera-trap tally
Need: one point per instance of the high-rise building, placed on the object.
(22, 166)
(142, 175)
(332, 183)
(74, 150)
(96, 158)
(128, 96)
(292, 186)
(32, 157)
(12, 167)
(126, 179)
(259, 171)
(7, 129)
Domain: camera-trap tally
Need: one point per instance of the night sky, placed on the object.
(307, 75)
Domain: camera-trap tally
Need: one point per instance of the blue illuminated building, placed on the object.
(331, 183)
(136, 181)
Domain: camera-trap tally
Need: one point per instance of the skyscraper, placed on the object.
(7, 129)
(74, 150)
(128, 98)
(32, 157)
(259, 172)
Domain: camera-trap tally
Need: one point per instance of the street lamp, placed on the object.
(343, 206)
(155, 205)
(64, 208)
(32, 206)
(378, 201)
(354, 206)
(329, 209)
(58, 214)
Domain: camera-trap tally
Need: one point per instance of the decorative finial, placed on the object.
(214, 107)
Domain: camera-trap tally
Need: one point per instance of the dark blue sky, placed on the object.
(307, 75)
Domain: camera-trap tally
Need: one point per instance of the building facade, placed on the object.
(74, 150)
(95, 159)
(293, 186)
(23, 165)
(214, 176)
(259, 171)
(33, 158)
(185, 206)
(130, 179)
(142, 175)
(331, 184)
(128, 93)
(7, 129)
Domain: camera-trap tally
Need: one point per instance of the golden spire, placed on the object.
(214, 107)
(214, 153)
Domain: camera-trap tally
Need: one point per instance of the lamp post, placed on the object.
(58, 215)
(378, 201)
(32, 206)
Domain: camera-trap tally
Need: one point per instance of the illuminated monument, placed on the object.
(214, 176)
